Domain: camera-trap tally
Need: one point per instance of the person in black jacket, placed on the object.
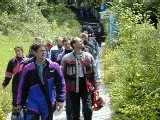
(67, 49)
(57, 49)
(13, 70)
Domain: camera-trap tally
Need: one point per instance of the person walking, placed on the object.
(41, 87)
(13, 70)
(91, 46)
(79, 72)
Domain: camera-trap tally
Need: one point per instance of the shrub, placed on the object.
(20, 27)
(132, 70)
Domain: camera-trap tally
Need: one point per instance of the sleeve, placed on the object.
(97, 48)
(94, 81)
(8, 73)
(54, 54)
(59, 58)
(63, 64)
(60, 85)
(22, 87)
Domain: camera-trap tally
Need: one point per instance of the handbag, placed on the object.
(97, 101)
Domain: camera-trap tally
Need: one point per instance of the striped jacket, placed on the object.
(70, 71)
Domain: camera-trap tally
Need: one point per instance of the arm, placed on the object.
(94, 80)
(97, 48)
(63, 65)
(22, 88)
(59, 58)
(60, 84)
(8, 74)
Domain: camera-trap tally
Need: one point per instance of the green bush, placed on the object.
(132, 69)
(20, 27)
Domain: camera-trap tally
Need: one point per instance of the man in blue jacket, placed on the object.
(41, 87)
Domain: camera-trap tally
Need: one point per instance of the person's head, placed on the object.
(38, 40)
(18, 51)
(49, 44)
(84, 37)
(60, 41)
(76, 43)
(66, 44)
(39, 51)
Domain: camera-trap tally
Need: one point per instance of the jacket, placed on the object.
(13, 70)
(30, 92)
(69, 69)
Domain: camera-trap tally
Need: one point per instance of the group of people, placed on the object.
(53, 74)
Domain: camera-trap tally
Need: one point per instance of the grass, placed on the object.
(7, 44)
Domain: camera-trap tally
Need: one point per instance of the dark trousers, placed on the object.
(73, 103)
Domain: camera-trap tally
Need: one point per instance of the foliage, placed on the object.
(30, 19)
(132, 69)
(20, 24)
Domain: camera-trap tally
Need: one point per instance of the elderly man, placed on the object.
(78, 68)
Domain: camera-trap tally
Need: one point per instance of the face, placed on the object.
(67, 45)
(49, 45)
(84, 39)
(18, 52)
(41, 53)
(60, 44)
(78, 44)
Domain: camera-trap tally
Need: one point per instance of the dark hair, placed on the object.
(36, 46)
(73, 41)
(18, 47)
(66, 40)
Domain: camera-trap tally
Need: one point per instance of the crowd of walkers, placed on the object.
(53, 73)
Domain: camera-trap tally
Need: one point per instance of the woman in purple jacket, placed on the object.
(41, 87)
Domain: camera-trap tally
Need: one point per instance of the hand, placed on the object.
(59, 106)
(98, 85)
(17, 108)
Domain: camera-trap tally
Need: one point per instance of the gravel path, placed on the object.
(103, 114)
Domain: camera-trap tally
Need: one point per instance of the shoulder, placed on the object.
(53, 65)
(88, 54)
(92, 38)
(28, 60)
(54, 48)
(67, 56)
(12, 61)
(30, 66)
